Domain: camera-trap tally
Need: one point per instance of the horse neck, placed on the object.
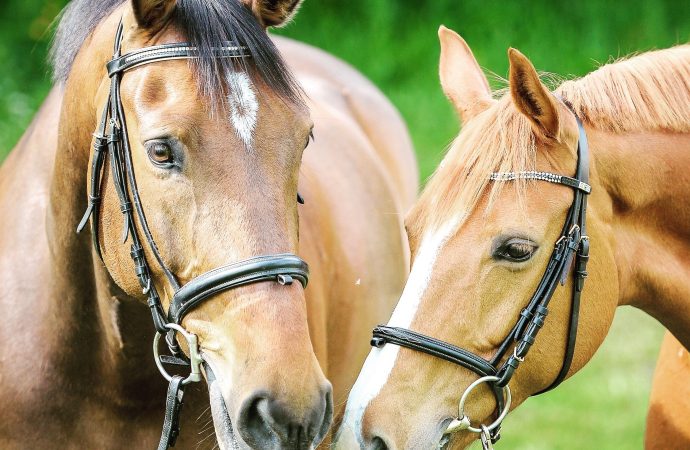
(645, 176)
(108, 332)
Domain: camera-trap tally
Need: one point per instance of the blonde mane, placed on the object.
(647, 92)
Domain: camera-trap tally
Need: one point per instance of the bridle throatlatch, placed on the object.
(571, 248)
(111, 140)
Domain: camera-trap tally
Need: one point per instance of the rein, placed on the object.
(571, 247)
(111, 139)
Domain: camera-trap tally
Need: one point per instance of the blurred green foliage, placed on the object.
(394, 43)
(24, 79)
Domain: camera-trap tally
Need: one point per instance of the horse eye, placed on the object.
(517, 250)
(160, 153)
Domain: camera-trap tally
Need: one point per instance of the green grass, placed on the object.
(394, 43)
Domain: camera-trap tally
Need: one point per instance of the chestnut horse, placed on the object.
(480, 243)
(669, 403)
(217, 148)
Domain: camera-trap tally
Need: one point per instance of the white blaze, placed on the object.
(380, 362)
(243, 106)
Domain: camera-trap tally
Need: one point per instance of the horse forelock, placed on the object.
(206, 24)
(499, 139)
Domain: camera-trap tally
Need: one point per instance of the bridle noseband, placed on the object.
(112, 139)
(573, 245)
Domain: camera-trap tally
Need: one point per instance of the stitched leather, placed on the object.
(262, 268)
(432, 346)
(581, 259)
(173, 405)
(440, 349)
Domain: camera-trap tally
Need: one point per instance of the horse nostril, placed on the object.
(326, 418)
(267, 423)
(378, 444)
(252, 424)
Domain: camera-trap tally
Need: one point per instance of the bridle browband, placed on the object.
(573, 245)
(112, 139)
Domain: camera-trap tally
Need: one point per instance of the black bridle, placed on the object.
(111, 139)
(573, 245)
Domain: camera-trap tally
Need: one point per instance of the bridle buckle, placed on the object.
(486, 439)
(515, 355)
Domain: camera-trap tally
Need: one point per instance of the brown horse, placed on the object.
(218, 156)
(480, 244)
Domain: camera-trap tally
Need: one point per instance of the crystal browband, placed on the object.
(181, 50)
(542, 176)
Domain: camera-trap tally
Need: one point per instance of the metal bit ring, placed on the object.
(463, 421)
(194, 356)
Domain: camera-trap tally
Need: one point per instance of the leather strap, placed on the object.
(581, 259)
(100, 147)
(131, 179)
(543, 176)
(407, 338)
(281, 268)
(173, 406)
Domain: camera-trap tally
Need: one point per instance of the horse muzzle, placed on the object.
(264, 418)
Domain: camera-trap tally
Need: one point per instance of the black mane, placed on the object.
(206, 24)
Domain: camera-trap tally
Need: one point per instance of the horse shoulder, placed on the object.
(25, 179)
(25, 274)
(330, 80)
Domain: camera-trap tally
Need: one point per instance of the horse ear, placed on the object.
(274, 13)
(531, 97)
(152, 14)
(462, 79)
